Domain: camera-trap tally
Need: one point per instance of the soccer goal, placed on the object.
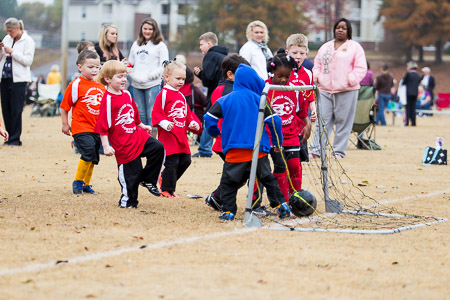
(342, 206)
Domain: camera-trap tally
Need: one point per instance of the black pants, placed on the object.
(233, 174)
(411, 110)
(13, 100)
(132, 173)
(175, 166)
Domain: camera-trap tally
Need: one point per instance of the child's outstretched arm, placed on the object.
(107, 149)
(65, 122)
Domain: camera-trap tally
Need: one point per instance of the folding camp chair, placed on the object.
(45, 105)
(363, 131)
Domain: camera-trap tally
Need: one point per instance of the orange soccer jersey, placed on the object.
(83, 97)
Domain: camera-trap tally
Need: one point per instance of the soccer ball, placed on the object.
(302, 203)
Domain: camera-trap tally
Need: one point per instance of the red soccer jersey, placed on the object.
(303, 77)
(170, 105)
(118, 120)
(83, 97)
(291, 107)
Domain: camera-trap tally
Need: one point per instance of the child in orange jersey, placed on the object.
(83, 97)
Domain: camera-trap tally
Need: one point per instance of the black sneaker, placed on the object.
(210, 200)
(262, 211)
(153, 189)
(200, 155)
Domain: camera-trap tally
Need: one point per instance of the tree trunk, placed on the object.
(438, 52)
(408, 53)
(420, 52)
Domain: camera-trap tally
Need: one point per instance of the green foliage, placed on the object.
(229, 20)
(41, 17)
(8, 8)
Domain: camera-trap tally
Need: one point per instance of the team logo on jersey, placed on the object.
(125, 118)
(178, 111)
(92, 100)
(283, 106)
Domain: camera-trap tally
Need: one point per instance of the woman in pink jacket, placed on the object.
(339, 66)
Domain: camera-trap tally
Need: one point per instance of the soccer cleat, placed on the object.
(211, 201)
(77, 187)
(88, 190)
(227, 216)
(283, 210)
(167, 194)
(153, 189)
(262, 211)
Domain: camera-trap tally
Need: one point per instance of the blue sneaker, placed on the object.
(283, 210)
(77, 187)
(227, 216)
(88, 189)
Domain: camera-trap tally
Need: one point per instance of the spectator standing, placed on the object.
(411, 80)
(339, 67)
(16, 57)
(54, 77)
(147, 55)
(428, 81)
(210, 74)
(107, 44)
(383, 85)
(256, 51)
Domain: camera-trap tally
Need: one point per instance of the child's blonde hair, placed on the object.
(169, 66)
(209, 37)
(109, 69)
(297, 39)
(252, 25)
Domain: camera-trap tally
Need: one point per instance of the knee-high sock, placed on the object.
(283, 183)
(83, 167)
(295, 172)
(88, 176)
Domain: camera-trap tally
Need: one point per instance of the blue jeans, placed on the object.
(383, 100)
(206, 142)
(144, 99)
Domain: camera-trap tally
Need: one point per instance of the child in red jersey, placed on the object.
(120, 125)
(292, 108)
(297, 48)
(172, 116)
(83, 97)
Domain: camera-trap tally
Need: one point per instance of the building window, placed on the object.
(83, 12)
(107, 8)
(182, 9)
(83, 36)
(165, 9)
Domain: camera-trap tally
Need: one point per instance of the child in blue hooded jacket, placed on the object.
(239, 111)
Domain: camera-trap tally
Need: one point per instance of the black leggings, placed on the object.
(13, 100)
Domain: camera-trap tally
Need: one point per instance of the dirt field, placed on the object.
(55, 245)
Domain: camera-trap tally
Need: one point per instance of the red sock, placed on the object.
(295, 171)
(283, 183)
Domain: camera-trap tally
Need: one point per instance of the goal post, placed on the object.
(333, 206)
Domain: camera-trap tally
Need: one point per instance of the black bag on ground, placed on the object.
(433, 156)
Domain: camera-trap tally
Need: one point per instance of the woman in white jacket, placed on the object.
(255, 51)
(16, 57)
(147, 55)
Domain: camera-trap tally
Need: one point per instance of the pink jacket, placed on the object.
(339, 70)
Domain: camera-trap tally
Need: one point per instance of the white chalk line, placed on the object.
(100, 255)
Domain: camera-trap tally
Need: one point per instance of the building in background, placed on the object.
(86, 17)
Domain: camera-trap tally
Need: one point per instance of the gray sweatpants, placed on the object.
(336, 109)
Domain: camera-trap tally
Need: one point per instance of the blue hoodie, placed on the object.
(239, 111)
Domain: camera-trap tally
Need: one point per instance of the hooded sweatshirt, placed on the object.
(340, 70)
(239, 111)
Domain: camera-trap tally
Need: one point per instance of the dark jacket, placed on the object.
(103, 56)
(211, 72)
(431, 85)
(384, 83)
(412, 81)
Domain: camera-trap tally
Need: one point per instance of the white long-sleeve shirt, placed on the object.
(147, 64)
(254, 55)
